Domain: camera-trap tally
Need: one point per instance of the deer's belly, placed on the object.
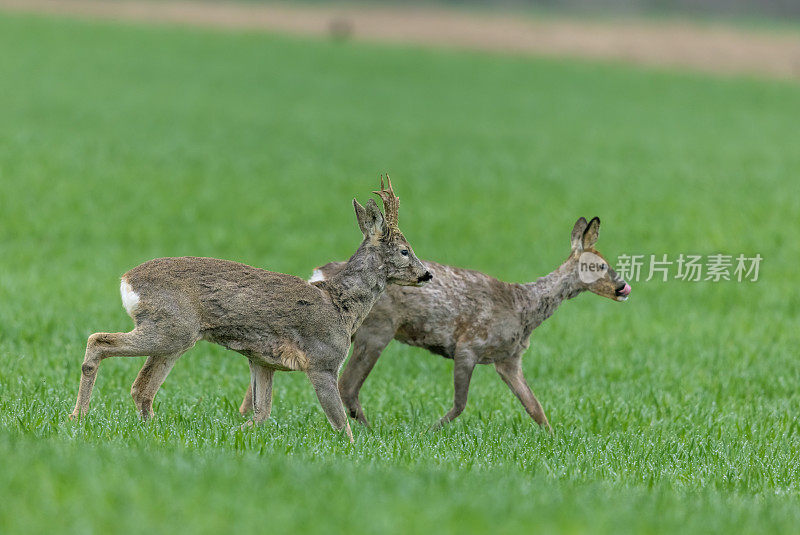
(430, 340)
(285, 357)
(276, 353)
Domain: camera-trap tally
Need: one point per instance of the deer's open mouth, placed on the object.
(623, 292)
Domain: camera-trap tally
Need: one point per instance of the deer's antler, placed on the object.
(391, 205)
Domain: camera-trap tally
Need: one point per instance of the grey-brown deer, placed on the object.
(473, 318)
(279, 322)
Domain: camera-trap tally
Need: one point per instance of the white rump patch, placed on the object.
(130, 299)
(317, 276)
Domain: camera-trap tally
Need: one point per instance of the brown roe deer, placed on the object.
(279, 322)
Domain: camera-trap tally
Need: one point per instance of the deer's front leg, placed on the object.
(511, 372)
(261, 387)
(370, 340)
(324, 383)
(465, 361)
(247, 401)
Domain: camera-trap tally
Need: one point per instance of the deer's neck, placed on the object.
(545, 295)
(358, 286)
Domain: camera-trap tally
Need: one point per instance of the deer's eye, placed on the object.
(404, 252)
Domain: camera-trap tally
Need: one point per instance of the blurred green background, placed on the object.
(676, 411)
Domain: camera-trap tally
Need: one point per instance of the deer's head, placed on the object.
(382, 234)
(594, 272)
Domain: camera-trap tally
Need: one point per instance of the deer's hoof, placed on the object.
(436, 426)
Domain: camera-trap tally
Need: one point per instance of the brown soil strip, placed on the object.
(707, 48)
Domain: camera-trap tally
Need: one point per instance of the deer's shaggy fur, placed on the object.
(473, 319)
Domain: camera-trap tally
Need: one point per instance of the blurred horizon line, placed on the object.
(704, 47)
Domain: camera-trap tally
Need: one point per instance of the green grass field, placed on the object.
(674, 412)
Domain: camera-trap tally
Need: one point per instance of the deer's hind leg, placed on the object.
(149, 380)
(511, 372)
(145, 339)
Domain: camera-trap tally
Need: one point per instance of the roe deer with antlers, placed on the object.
(473, 319)
(279, 322)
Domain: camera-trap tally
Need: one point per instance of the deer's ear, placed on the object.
(361, 217)
(576, 239)
(370, 219)
(591, 233)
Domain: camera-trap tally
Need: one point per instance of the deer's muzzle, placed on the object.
(426, 277)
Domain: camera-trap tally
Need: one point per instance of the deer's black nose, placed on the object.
(426, 277)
